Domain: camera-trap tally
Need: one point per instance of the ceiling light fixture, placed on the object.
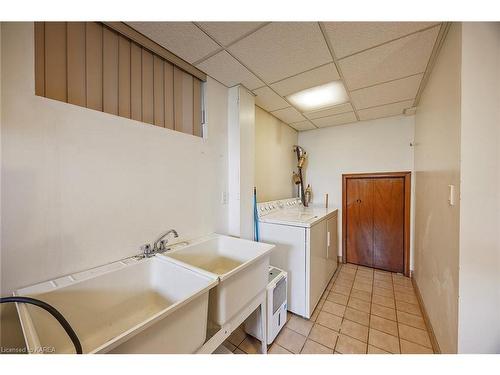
(319, 97)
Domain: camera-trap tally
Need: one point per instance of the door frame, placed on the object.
(407, 205)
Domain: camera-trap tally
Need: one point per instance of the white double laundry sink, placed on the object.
(150, 305)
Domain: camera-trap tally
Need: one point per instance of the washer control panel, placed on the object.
(266, 208)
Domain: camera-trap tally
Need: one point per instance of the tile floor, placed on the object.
(362, 311)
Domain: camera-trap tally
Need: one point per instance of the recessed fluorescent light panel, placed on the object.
(319, 97)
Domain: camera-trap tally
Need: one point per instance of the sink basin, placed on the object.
(131, 306)
(240, 265)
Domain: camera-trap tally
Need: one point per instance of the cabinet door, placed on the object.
(318, 275)
(359, 215)
(332, 244)
(388, 224)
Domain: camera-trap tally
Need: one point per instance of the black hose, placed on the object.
(56, 314)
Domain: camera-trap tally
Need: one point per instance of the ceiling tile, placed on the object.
(350, 37)
(386, 93)
(314, 77)
(288, 115)
(269, 100)
(282, 49)
(302, 125)
(226, 69)
(387, 110)
(227, 32)
(400, 58)
(181, 38)
(343, 118)
(341, 108)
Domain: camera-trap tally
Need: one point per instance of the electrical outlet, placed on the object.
(223, 198)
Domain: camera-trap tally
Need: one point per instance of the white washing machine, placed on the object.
(306, 248)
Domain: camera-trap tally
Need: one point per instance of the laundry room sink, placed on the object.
(240, 265)
(135, 305)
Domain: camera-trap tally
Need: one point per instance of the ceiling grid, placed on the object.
(383, 65)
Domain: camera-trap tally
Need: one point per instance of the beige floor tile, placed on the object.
(383, 301)
(329, 320)
(411, 320)
(401, 280)
(383, 312)
(323, 335)
(383, 292)
(365, 268)
(383, 341)
(357, 316)
(300, 325)
(349, 266)
(363, 279)
(334, 308)
(346, 276)
(349, 345)
(383, 284)
(343, 282)
(355, 330)
(384, 325)
(359, 304)
(290, 340)
(412, 348)
(408, 307)
(364, 275)
(239, 351)
(382, 276)
(405, 297)
(364, 296)
(312, 347)
(288, 315)
(404, 289)
(277, 349)
(362, 286)
(250, 345)
(374, 350)
(341, 289)
(237, 336)
(418, 336)
(341, 299)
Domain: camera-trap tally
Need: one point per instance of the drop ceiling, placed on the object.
(383, 65)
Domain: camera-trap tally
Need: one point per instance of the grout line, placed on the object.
(387, 81)
(390, 41)
(332, 53)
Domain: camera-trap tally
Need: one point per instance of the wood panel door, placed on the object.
(375, 220)
(360, 221)
(388, 223)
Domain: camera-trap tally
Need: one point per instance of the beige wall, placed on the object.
(274, 157)
(381, 145)
(437, 165)
(82, 188)
(479, 291)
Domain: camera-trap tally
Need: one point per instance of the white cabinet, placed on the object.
(318, 271)
(332, 243)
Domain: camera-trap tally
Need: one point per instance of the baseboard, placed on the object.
(432, 335)
(339, 259)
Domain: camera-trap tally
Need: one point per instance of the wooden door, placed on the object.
(388, 223)
(375, 220)
(359, 225)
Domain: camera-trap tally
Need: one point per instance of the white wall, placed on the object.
(81, 188)
(368, 146)
(479, 290)
(274, 157)
(437, 165)
(241, 123)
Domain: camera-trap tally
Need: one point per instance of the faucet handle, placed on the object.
(146, 250)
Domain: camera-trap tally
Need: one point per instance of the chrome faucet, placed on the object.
(158, 245)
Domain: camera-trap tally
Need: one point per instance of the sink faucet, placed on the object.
(158, 245)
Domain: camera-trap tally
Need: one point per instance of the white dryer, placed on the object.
(306, 248)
